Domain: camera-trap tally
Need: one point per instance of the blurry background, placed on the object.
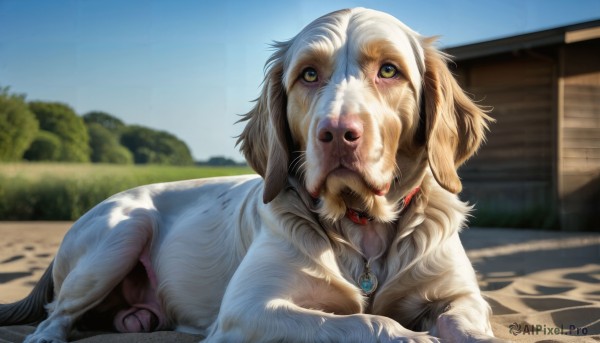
(163, 82)
(541, 164)
(189, 67)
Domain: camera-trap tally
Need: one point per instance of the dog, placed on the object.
(349, 232)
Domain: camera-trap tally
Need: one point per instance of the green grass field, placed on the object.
(53, 191)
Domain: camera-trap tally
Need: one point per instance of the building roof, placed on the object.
(560, 35)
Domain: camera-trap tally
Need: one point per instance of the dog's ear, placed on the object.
(264, 141)
(455, 126)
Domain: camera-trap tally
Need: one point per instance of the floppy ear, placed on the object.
(264, 141)
(455, 126)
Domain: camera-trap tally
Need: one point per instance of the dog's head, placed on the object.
(358, 107)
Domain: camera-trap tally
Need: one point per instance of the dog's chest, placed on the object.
(372, 240)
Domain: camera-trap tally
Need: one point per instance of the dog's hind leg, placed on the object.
(99, 270)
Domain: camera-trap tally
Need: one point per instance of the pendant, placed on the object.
(367, 282)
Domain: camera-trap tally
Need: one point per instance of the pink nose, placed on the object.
(345, 130)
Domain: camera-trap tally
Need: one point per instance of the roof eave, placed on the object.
(566, 34)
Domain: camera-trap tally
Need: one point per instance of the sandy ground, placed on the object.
(543, 286)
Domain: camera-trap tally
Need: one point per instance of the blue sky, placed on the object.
(189, 67)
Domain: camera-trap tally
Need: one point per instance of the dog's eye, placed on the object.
(310, 75)
(388, 71)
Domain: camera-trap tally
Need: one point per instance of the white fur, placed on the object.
(235, 269)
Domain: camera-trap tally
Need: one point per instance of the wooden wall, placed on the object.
(579, 125)
(540, 166)
(511, 179)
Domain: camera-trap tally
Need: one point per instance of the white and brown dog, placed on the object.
(350, 234)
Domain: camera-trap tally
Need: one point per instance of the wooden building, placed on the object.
(540, 166)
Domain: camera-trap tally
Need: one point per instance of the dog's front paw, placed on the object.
(43, 338)
(418, 337)
(391, 331)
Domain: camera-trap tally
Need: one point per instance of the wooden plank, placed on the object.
(577, 165)
(515, 140)
(518, 111)
(582, 133)
(588, 175)
(581, 35)
(582, 153)
(517, 120)
(499, 90)
(589, 91)
(576, 142)
(582, 110)
(581, 129)
(515, 174)
(540, 169)
(537, 167)
(494, 95)
(583, 79)
(582, 107)
(518, 71)
(508, 164)
(581, 122)
(514, 152)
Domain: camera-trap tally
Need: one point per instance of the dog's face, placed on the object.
(353, 88)
(342, 110)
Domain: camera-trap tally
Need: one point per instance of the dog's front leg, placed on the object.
(466, 320)
(277, 295)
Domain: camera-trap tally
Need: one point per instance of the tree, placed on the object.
(45, 147)
(119, 154)
(155, 147)
(105, 146)
(219, 161)
(61, 120)
(109, 122)
(18, 126)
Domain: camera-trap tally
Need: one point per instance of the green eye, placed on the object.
(387, 71)
(310, 75)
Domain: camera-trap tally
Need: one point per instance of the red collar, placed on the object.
(362, 218)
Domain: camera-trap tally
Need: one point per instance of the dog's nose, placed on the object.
(345, 129)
